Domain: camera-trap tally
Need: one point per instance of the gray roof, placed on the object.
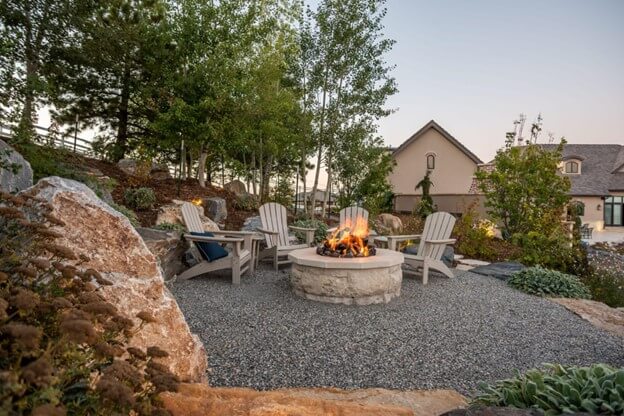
(599, 166)
(433, 125)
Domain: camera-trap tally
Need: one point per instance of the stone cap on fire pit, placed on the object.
(308, 257)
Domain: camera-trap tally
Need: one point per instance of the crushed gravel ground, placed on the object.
(452, 333)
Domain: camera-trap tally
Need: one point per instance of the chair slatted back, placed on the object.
(351, 213)
(191, 218)
(438, 226)
(273, 217)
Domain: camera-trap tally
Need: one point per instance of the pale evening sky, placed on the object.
(473, 66)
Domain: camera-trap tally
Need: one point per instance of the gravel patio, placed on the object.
(450, 333)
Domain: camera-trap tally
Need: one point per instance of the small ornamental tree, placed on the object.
(426, 206)
(525, 191)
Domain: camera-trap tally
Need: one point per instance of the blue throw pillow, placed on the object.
(209, 250)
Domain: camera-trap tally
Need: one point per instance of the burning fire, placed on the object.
(197, 201)
(348, 241)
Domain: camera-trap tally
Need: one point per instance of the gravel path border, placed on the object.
(451, 333)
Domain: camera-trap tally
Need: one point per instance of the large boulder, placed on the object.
(215, 208)
(157, 170)
(172, 214)
(597, 313)
(252, 223)
(388, 224)
(237, 187)
(15, 171)
(200, 399)
(95, 231)
(129, 166)
(168, 247)
(160, 171)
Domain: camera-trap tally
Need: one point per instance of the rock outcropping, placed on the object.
(597, 313)
(113, 247)
(388, 224)
(15, 172)
(200, 399)
(168, 247)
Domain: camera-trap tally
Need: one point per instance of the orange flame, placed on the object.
(197, 201)
(350, 238)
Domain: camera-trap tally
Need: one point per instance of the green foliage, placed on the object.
(167, 226)
(551, 251)
(425, 206)
(128, 213)
(140, 198)
(283, 193)
(321, 229)
(606, 286)
(543, 282)
(558, 389)
(524, 191)
(61, 343)
(246, 202)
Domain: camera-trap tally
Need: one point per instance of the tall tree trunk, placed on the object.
(189, 165)
(261, 169)
(201, 166)
(121, 143)
(319, 157)
(253, 173)
(330, 148)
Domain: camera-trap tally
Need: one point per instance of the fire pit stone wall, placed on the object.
(357, 281)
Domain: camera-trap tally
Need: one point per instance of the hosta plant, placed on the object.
(543, 282)
(558, 389)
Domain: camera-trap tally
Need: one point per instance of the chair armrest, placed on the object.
(292, 227)
(213, 239)
(226, 232)
(447, 241)
(263, 231)
(394, 240)
(309, 233)
(405, 237)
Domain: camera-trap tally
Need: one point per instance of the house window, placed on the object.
(430, 162)
(571, 167)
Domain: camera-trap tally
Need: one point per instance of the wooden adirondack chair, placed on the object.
(239, 260)
(275, 230)
(350, 214)
(436, 235)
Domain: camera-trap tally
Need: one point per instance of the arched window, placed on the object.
(430, 162)
(571, 167)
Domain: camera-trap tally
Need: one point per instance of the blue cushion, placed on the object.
(209, 251)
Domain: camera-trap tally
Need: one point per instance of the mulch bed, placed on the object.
(167, 190)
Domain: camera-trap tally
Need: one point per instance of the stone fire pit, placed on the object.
(352, 281)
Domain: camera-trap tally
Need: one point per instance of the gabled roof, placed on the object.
(433, 125)
(599, 160)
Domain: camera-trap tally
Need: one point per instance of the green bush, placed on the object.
(140, 198)
(558, 389)
(543, 282)
(551, 251)
(606, 286)
(63, 348)
(321, 229)
(167, 226)
(128, 213)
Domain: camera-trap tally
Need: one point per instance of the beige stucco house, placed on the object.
(596, 173)
(451, 164)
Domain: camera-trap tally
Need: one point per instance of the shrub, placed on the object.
(321, 229)
(128, 213)
(61, 343)
(552, 252)
(543, 282)
(140, 198)
(167, 226)
(559, 389)
(246, 202)
(606, 286)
